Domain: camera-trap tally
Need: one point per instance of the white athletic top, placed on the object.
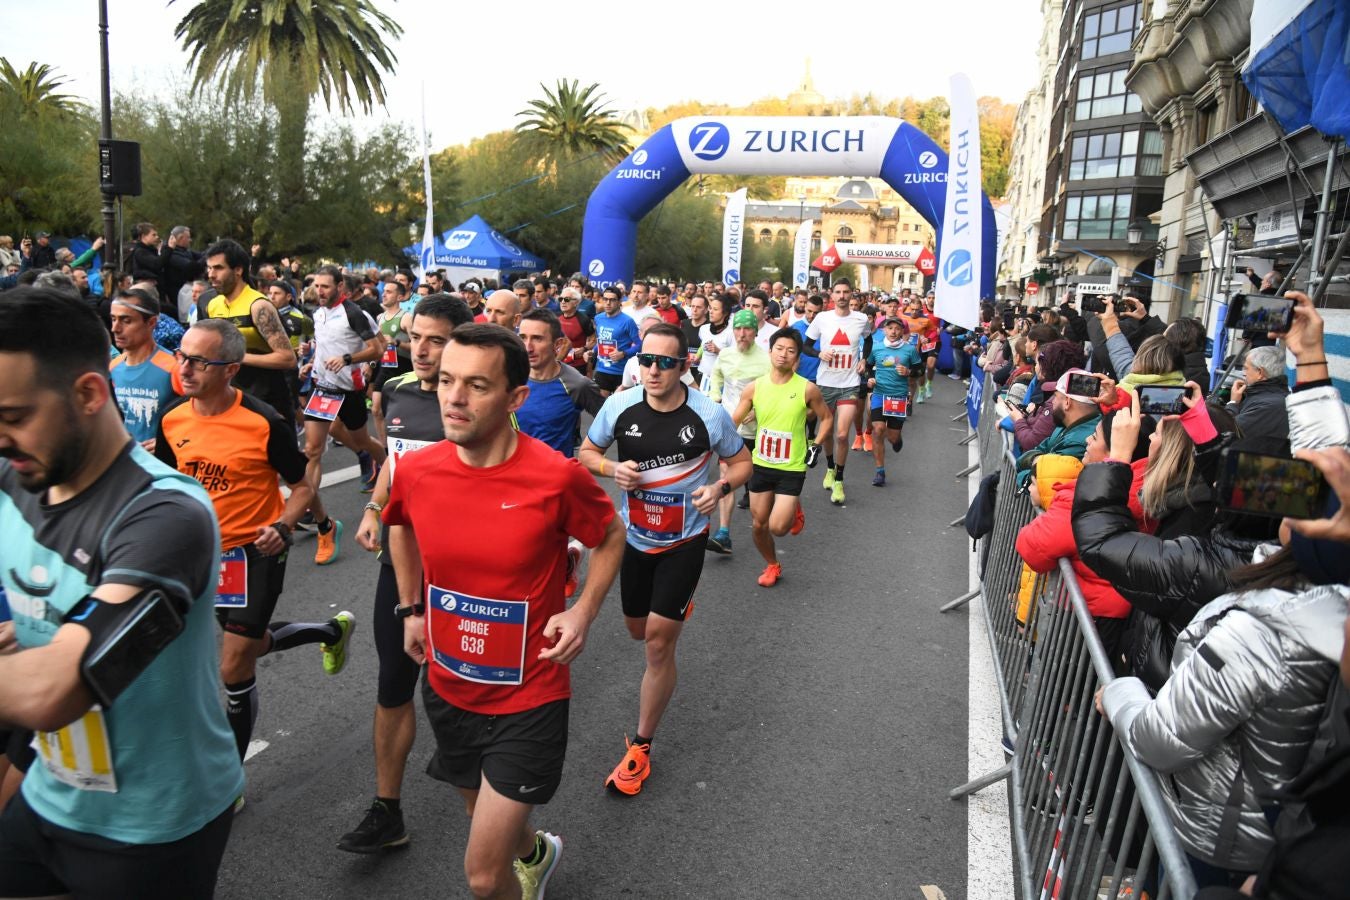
(844, 336)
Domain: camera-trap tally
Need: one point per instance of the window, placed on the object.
(844, 235)
(1102, 93)
(1109, 30)
(765, 236)
(783, 234)
(904, 226)
(1118, 153)
(1097, 217)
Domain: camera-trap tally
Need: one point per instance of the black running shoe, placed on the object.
(381, 829)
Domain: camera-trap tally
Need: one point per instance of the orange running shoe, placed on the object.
(329, 544)
(867, 441)
(857, 442)
(632, 770)
(798, 521)
(772, 572)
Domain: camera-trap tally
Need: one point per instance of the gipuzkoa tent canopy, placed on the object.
(474, 249)
(1299, 68)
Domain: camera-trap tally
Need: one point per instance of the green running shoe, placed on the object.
(335, 655)
(829, 479)
(534, 878)
(837, 496)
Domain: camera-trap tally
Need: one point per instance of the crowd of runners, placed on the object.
(164, 440)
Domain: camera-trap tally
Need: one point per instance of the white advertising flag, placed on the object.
(801, 254)
(959, 260)
(864, 279)
(733, 235)
(428, 255)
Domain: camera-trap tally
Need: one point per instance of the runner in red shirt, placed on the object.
(493, 628)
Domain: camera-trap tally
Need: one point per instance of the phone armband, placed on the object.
(124, 638)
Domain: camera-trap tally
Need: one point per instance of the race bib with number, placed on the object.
(603, 350)
(895, 407)
(390, 358)
(475, 638)
(928, 344)
(398, 447)
(657, 516)
(324, 405)
(232, 589)
(79, 755)
(693, 356)
(774, 446)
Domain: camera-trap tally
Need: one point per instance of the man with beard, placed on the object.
(1075, 417)
(112, 647)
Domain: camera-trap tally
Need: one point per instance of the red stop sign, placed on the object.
(1033, 288)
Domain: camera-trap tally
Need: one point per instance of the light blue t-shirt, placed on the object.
(143, 391)
(161, 762)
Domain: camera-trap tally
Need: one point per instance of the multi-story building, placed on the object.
(1103, 176)
(1026, 170)
(1187, 58)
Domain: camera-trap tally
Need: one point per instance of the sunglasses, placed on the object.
(664, 363)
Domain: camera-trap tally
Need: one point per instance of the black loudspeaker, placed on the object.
(119, 167)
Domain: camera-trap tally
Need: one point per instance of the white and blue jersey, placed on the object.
(614, 333)
(676, 454)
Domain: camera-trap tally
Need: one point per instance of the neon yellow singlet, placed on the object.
(780, 417)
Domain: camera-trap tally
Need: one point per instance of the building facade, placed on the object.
(1021, 248)
(1103, 175)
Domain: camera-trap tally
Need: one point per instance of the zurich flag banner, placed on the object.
(427, 256)
(733, 232)
(801, 254)
(960, 266)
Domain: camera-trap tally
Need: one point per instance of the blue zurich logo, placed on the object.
(709, 140)
(732, 276)
(959, 269)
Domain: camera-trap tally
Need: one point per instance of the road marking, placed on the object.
(337, 476)
(254, 748)
(988, 838)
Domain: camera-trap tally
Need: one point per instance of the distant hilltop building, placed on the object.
(806, 94)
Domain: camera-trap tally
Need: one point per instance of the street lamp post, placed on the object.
(105, 132)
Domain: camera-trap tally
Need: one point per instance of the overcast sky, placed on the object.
(482, 62)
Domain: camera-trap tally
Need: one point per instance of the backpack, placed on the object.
(980, 516)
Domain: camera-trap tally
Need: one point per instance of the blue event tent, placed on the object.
(474, 249)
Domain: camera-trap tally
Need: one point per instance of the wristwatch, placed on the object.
(284, 530)
(417, 609)
(726, 486)
(347, 358)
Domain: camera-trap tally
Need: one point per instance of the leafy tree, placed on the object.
(569, 123)
(295, 51)
(48, 168)
(34, 92)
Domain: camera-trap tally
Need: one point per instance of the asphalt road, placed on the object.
(807, 753)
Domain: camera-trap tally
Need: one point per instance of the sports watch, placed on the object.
(417, 609)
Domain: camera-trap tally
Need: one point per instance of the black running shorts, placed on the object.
(39, 859)
(520, 754)
(352, 412)
(789, 484)
(266, 577)
(661, 583)
(607, 382)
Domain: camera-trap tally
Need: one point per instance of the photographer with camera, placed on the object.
(1128, 318)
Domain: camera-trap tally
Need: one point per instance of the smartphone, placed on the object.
(1259, 314)
(1275, 486)
(1083, 385)
(1094, 304)
(1161, 401)
(1008, 318)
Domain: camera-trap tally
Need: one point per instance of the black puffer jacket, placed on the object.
(1262, 411)
(1167, 581)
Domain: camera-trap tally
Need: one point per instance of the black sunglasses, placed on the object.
(664, 363)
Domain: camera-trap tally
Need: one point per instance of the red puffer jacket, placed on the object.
(1049, 538)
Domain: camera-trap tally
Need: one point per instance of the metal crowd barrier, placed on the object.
(1087, 817)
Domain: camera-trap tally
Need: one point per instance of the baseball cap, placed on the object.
(471, 286)
(744, 318)
(1062, 386)
(896, 319)
(44, 234)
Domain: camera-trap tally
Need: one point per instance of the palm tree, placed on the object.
(569, 123)
(336, 48)
(35, 90)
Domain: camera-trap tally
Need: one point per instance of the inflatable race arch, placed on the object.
(859, 146)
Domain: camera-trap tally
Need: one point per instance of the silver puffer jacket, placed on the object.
(1250, 675)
